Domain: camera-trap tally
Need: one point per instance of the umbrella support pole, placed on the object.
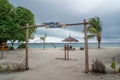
(67, 54)
(66, 50)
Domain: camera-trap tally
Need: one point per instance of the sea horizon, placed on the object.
(73, 44)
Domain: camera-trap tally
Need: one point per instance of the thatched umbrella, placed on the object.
(67, 47)
(70, 39)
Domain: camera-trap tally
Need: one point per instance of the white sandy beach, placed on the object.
(48, 64)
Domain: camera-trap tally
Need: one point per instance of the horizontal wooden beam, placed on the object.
(74, 24)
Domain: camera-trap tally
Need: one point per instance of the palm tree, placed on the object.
(43, 39)
(95, 29)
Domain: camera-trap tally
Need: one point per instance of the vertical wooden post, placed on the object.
(65, 53)
(68, 53)
(86, 48)
(27, 66)
(65, 48)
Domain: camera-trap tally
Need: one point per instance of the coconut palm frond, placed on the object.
(42, 38)
(95, 27)
(32, 37)
(91, 36)
(93, 30)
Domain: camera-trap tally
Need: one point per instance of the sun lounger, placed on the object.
(81, 48)
(71, 48)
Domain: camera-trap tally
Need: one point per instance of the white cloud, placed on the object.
(83, 6)
(53, 39)
(70, 11)
(48, 39)
(35, 40)
(59, 32)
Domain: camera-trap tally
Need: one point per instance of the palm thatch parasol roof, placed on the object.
(70, 39)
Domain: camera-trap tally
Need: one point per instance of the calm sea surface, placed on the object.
(61, 45)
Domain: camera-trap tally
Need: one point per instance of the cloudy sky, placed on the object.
(74, 11)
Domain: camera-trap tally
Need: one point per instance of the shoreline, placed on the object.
(89, 47)
(61, 45)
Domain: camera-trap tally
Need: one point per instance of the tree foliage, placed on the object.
(95, 29)
(5, 18)
(43, 38)
(12, 19)
(24, 16)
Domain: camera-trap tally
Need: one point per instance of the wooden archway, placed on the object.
(85, 38)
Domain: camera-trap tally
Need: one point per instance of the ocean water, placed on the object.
(61, 45)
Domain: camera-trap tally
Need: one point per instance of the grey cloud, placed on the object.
(58, 10)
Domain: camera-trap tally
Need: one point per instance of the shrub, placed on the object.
(11, 48)
(22, 45)
(8, 68)
(113, 65)
(119, 70)
(98, 66)
(21, 66)
(0, 68)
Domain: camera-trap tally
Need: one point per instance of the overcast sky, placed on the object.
(74, 11)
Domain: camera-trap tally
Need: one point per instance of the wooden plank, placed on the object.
(74, 24)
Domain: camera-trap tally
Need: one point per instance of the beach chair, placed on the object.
(81, 48)
(71, 48)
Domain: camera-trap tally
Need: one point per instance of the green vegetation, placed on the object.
(20, 66)
(11, 20)
(113, 65)
(0, 67)
(11, 48)
(43, 39)
(98, 66)
(22, 45)
(8, 68)
(5, 18)
(95, 29)
(119, 70)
